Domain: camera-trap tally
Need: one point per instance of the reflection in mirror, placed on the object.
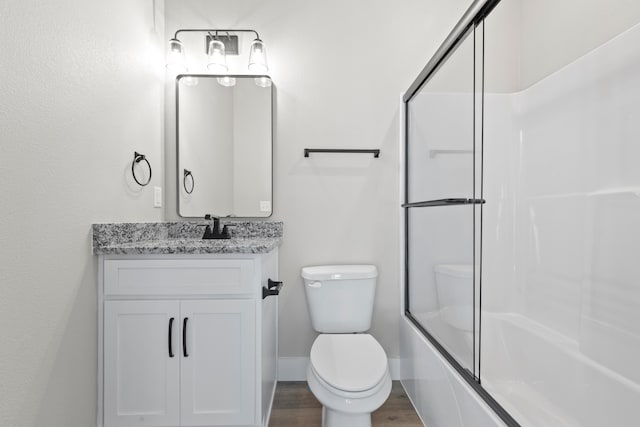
(224, 141)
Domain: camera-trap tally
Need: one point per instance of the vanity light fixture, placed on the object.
(219, 43)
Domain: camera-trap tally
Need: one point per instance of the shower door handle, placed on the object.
(476, 201)
(444, 202)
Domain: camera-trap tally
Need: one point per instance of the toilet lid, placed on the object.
(349, 362)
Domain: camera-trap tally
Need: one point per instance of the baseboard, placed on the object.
(295, 368)
(292, 368)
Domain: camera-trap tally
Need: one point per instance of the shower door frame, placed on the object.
(473, 17)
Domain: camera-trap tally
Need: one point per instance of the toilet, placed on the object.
(348, 370)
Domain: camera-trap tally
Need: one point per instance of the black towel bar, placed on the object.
(307, 151)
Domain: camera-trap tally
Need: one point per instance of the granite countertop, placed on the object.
(247, 237)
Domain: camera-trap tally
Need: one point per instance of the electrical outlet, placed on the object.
(265, 206)
(157, 197)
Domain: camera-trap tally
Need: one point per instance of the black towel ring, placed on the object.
(137, 158)
(187, 173)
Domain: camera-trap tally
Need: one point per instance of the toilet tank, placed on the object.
(340, 297)
(454, 284)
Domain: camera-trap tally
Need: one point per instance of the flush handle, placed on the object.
(315, 285)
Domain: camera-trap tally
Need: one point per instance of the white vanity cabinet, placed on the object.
(187, 340)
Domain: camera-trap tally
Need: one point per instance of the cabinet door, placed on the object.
(141, 379)
(218, 369)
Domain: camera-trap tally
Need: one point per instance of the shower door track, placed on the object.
(478, 10)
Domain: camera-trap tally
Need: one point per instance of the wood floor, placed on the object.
(294, 406)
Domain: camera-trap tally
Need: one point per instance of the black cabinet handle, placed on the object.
(171, 337)
(184, 337)
(273, 288)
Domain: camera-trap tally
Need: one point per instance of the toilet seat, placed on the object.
(350, 396)
(349, 363)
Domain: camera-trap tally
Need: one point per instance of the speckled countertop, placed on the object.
(247, 237)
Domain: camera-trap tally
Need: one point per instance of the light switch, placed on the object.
(157, 197)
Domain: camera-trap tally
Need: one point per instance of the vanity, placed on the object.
(187, 327)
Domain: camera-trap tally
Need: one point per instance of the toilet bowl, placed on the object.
(348, 369)
(349, 375)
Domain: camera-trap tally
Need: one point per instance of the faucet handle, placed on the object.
(215, 222)
(226, 228)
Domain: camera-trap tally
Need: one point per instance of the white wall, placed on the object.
(339, 68)
(555, 33)
(80, 92)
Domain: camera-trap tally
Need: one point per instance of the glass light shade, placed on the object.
(258, 57)
(217, 58)
(262, 81)
(175, 56)
(227, 81)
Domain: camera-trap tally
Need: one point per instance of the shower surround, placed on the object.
(560, 331)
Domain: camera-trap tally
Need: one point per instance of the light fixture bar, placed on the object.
(213, 30)
(230, 42)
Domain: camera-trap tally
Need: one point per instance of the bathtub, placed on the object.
(543, 379)
(540, 377)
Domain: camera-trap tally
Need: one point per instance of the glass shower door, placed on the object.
(442, 203)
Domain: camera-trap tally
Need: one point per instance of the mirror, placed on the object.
(224, 144)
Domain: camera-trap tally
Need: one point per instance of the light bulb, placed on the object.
(217, 58)
(258, 57)
(175, 56)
